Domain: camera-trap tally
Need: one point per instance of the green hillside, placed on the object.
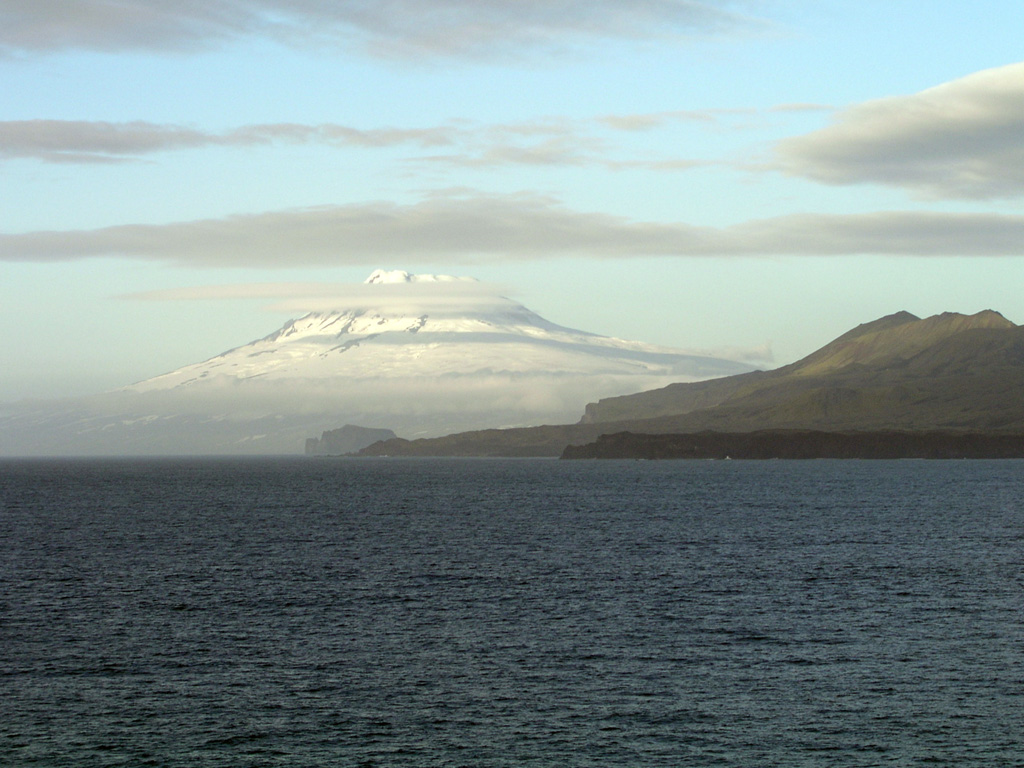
(950, 372)
(946, 371)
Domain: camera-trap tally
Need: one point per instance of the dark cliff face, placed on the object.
(802, 444)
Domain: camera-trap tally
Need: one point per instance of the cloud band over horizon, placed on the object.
(480, 228)
(434, 297)
(456, 143)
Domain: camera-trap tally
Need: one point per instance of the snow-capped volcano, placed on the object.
(500, 338)
(420, 354)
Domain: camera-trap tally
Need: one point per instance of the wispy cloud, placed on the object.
(433, 297)
(80, 141)
(479, 228)
(84, 141)
(238, 291)
(387, 28)
(458, 143)
(962, 139)
(801, 107)
(558, 150)
(651, 120)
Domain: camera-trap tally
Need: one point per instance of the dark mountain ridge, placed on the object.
(892, 350)
(949, 372)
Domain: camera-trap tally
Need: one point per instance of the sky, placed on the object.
(706, 175)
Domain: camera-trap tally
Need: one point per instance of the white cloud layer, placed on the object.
(434, 297)
(480, 228)
(81, 141)
(962, 139)
(550, 142)
(392, 28)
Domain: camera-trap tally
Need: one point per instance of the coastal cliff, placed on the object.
(802, 444)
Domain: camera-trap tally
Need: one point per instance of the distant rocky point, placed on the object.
(348, 439)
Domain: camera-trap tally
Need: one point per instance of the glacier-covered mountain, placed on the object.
(422, 355)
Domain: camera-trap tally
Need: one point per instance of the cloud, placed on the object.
(552, 141)
(651, 120)
(79, 141)
(238, 291)
(801, 107)
(473, 228)
(437, 405)
(387, 28)
(962, 139)
(674, 166)
(552, 151)
(433, 297)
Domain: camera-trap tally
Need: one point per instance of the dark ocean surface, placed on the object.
(318, 612)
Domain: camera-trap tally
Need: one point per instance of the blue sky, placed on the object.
(703, 175)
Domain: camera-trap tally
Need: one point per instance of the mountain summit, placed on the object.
(948, 371)
(421, 355)
(892, 340)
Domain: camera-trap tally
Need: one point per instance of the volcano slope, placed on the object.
(950, 373)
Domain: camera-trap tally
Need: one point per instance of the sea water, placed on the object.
(393, 612)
